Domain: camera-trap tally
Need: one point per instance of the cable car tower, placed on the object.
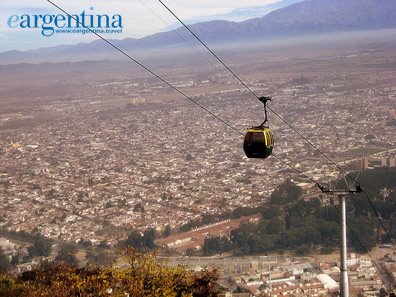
(342, 193)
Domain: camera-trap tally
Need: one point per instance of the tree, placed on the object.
(242, 237)
(148, 238)
(138, 207)
(99, 258)
(329, 213)
(270, 212)
(15, 259)
(377, 179)
(190, 252)
(302, 250)
(214, 245)
(67, 254)
(382, 292)
(329, 231)
(286, 193)
(364, 231)
(243, 211)
(250, 241)
(4, 262)
(274, 226)
(167, 231)
(41, 246)
(189, 157)
(263, 243)
(134, 240)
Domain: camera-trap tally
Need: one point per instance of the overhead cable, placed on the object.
(180, 92)
(278, 115)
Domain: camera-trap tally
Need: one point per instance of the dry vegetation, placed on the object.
(145, 276)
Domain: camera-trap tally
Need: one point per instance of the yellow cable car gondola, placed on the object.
(259, 140)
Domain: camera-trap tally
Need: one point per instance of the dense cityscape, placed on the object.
(99, 157)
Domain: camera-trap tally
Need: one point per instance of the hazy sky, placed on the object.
(139, 17)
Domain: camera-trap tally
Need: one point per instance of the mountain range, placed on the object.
(298, 19)
(245, 13)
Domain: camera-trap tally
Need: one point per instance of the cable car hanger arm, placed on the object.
(264, 100)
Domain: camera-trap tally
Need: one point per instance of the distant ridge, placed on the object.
(306, 17)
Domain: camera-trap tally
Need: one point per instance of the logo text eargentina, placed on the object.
(50, 24)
